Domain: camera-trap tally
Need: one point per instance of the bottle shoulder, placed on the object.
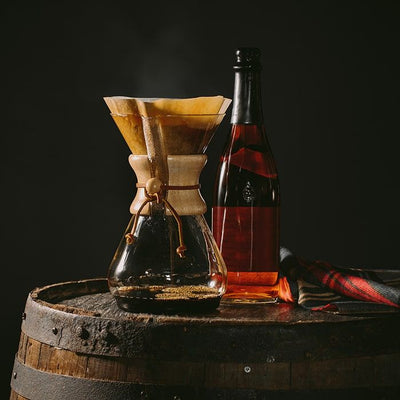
(249, 135)
(247, 148)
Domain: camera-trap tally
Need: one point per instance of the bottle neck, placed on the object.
(247, 101)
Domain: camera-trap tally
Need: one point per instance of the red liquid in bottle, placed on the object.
(246, 216)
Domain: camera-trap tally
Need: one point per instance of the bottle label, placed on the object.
(248, 237)
(253, 161)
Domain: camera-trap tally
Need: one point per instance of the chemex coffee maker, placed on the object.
(167, 260)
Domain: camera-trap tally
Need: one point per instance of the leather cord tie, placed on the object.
(155, 190)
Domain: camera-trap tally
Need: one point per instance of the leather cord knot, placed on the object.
(155, 191)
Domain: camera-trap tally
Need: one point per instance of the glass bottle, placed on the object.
(246, 204)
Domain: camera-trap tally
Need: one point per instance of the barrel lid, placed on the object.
(82, 316)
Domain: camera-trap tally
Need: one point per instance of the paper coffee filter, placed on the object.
(155, 106)
(121, 105)
(193, 106)
(181, 135)
(131, 128)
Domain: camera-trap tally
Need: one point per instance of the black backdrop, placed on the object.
(331, 97)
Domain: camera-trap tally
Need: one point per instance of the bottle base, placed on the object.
(245, 287)
(247, 295)
(246, 300)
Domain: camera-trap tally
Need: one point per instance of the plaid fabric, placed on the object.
(320, 286)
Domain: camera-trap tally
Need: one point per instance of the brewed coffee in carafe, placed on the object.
(167, 259)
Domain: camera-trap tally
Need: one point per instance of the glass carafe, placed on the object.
(167, 259)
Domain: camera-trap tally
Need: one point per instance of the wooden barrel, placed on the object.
(76, 344)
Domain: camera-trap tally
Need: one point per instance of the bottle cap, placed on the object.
(247, 57)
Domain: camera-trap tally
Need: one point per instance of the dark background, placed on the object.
(331, 98)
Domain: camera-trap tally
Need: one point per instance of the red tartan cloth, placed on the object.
(320, 286)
